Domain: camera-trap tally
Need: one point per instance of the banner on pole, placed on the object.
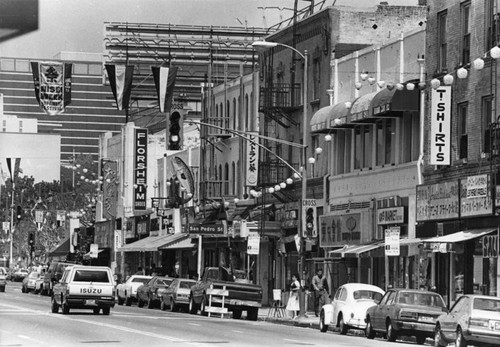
(52, 82)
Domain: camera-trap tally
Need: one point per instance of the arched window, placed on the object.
(233, 176)
(221, 179)
(228, 114)
(226, 179)
(234, 122)
(247, 121)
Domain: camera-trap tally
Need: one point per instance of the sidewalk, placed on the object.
(269, 314)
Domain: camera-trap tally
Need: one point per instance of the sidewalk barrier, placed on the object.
(277, 309)
(217, 309)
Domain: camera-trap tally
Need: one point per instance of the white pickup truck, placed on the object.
(86, 287)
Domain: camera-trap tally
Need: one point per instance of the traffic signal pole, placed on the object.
(11, 224)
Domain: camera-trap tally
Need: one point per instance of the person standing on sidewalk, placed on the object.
(293, 299)
(320, 287)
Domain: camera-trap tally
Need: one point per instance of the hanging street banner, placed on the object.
(52, 82)
(120, 80)
(252, 159)
(140, 168)
(164, 78)
(440, 137)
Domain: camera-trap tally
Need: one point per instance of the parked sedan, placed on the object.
(3, 279)
(405, 312)
(127, 292)
(176, 296)
(29, 282)
(474, 319)
(150, 292)
(349, 305)
(19, 275)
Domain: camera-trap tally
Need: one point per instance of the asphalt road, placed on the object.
(26, 320)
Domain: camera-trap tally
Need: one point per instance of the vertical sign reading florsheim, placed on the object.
(252, 160)
(440, 138)
(140, 168)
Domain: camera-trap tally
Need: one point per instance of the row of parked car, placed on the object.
(473, 319)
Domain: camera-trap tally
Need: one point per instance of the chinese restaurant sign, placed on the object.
(437, 201)
(339, 230)
(475, 196)
(440, 137)
(140, 168)
(252, 160)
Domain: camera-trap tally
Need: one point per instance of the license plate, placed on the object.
(497, 325)
(90, 302)
(236, 302)
(425, 319)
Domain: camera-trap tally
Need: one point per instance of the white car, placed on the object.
(349, 305)
(127, 292)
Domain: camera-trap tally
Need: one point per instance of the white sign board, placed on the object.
(94, 250)
(253, 243)
(39, 216)
(252, 160)
(440, 137)
(5, 226)
(118, 239)
(392, 241)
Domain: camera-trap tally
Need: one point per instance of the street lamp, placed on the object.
(268, 44)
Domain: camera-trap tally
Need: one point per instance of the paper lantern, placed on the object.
(390, 86)
(358, 85)
(296, 176)
(363, 76)
(277, 188)
(400, 86)
(347, 104)
(495, 52)
(478, 64)
(435, 83)
(421, 85)
(448, 79)
(271, 190)
(381, 84)
(311, 160)
(236, 200)
(328, 137)
(283, 185)
(318, 150)
(289, 181)
(337, 121)
(462, 73)
(410, 86)
(371, 80)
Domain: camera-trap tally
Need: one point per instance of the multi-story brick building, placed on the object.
(457, 205)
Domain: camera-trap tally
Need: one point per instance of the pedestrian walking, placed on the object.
(293, 299)
(320, 289)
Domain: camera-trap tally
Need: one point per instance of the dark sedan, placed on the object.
(151, 291)
(405, 312)
(176, 296)
(474, 319)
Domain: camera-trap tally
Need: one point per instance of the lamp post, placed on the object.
(268, 44)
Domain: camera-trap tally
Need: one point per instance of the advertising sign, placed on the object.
(475, 196)
(490, 246)
(252, 159)
(52, 81)
(94, 250)
(140, 168)
(39, 216)
(392, 241)
(339, 230)
(118, 239)
(438, 201)
(440, 137)
(5, 226)
(253, 244)
(391, 215)
(109, 172)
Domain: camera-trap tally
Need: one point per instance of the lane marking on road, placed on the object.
(194, 324)
(37, 341)
(237, 331)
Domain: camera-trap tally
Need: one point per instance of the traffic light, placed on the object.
(31, 240)
(175, 131)
(19, 213)
(310, 222)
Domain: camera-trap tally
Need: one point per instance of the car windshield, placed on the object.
(34, 275)
(486, 304)
(140, 280)
(367, 295)
(165, 282)
(426, 299)
(185, 284)
(91, 276)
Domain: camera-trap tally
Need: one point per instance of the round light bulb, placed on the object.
(363, 76)
(400, 86)
(271, 190)
(381, 84)
(328, 137)
(478, 64)
(495, 52)
(311, 160)
(85, 170)
(348, 104)
(410, 86)
(371, 80)
(318, 150)
(462, 73)
(435, 83)
(277, 188)
(448, 79)
(236, 200)
(283, 185)
(289, 181)
(358, 85)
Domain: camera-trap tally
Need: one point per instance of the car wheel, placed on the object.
(323, 327)
(253, 313)
(150, 303)
(342, 327)
(438, 338)
(460, 341)
(23, 289)
(237, 314)
(2, 289)
(106, 310)
(96, 310)
(192, 306)
(391, 334)
(140, 303)
(204, 306)
(163, 306)
(120, 300)
(173, 305)
(65, 308)
(369, 332)
(421, 339)
(128, 301)
(54, 306)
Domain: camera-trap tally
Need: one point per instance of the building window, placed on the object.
(410, 137)
(462, 130)
(466, 14)
(490, 24)
(489, 117)
(363, 147)
(385, 141)
(442, 45)
(247, 112)
(235, 123)
(233, 178)
(316, 78)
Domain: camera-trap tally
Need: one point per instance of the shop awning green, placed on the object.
(386, 101)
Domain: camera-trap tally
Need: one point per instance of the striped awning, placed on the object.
(355, 251)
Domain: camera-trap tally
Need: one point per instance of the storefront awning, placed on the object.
(355, 251)
(386, 102)
(361, 108)
(329, 118)
(182, 242)
(149, 244)
(60, 250)
(460, 236)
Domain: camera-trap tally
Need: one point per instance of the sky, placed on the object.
(77, 25)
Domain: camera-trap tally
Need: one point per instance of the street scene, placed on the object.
(251, 172)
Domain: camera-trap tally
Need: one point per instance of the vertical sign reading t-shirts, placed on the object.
(440, 138)
(140, 168)
(252, 160)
